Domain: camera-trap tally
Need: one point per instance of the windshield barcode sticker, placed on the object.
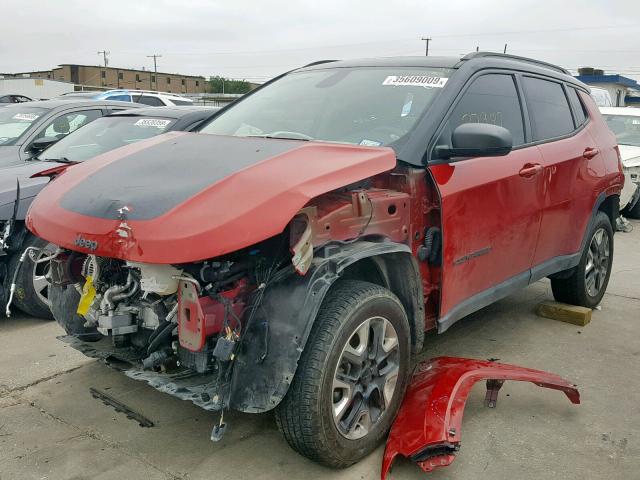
(29, 117)
(635, 122)
(415, 81)
(152, 122)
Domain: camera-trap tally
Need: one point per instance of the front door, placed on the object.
(491, 206)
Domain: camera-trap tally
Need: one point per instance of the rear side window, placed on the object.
(491, 99)
(576, 105)
(548, 109)
(119, 98)
(151, 101)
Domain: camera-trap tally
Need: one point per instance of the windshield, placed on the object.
(14, 121)
(105, 134)
(626, 128)
(362, 106)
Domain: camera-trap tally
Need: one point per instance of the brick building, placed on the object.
(111, 77)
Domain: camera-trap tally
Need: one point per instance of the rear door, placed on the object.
(491, 206)
(570, 159)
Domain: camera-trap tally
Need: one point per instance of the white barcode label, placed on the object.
(152, 122)
(415, 81)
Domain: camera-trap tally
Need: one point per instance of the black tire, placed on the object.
(64, 303)
(26, 296)
(305, 416)
(633, 212)
(573, 289)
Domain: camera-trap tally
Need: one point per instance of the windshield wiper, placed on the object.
(279, 137)
(59, 160)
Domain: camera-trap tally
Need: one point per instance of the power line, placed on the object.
(387, 41)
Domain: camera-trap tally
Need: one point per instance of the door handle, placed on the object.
(590, 152)
(530, 170)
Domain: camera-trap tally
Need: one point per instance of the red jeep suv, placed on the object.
(292, 253)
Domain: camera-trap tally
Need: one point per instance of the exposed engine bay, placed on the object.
(178, 321)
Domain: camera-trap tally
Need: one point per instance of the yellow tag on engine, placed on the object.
(88, 294)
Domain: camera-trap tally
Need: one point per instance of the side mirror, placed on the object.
(478, 140)
(40, 144)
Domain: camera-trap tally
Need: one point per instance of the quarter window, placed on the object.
(492, 98)
(548, 109)
(577, 106)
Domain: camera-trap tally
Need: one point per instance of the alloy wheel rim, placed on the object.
(40, 274)
(365, 378)
(598, 261)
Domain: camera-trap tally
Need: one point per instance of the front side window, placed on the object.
(548, 109)
(66, 123)
(15, 121)
(364, 106)
(105, 134)
(493, 99)
(626, 128)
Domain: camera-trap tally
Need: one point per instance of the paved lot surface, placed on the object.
(51, 428)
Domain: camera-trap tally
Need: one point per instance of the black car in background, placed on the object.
(8, 99)
(28, 128)
(102, 135)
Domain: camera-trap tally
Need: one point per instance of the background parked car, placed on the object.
(146, 97)
(8, 99)
(625, 123)
(28, 128)
(104, 134)
(601, 96)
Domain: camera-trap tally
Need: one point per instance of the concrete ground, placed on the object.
(51, 427)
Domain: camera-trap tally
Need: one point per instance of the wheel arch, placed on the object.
(611, 206)
(273, 342)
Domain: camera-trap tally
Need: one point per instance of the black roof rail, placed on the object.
(506, 56)
(319, 62)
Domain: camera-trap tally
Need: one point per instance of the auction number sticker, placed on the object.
(29, 117)
(152, 122)
(425, 81)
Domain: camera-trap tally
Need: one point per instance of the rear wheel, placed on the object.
(351, 376)
(588, 281)
(633, 212)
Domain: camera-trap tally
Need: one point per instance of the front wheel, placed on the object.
(32, 282)
(588, 281)
(351, 377)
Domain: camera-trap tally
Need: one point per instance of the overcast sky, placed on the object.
(258, 39)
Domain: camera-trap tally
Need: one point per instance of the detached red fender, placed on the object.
(427, 428)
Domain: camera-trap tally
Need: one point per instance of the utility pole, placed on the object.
(427, 40)
(104, 54)
(155, 56)
(505, 48)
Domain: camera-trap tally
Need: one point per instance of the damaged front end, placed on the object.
(427, 428)
(176, 327)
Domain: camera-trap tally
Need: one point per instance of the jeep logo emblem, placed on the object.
(84, 243)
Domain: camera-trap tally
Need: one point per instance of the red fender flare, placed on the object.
(427, 428)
